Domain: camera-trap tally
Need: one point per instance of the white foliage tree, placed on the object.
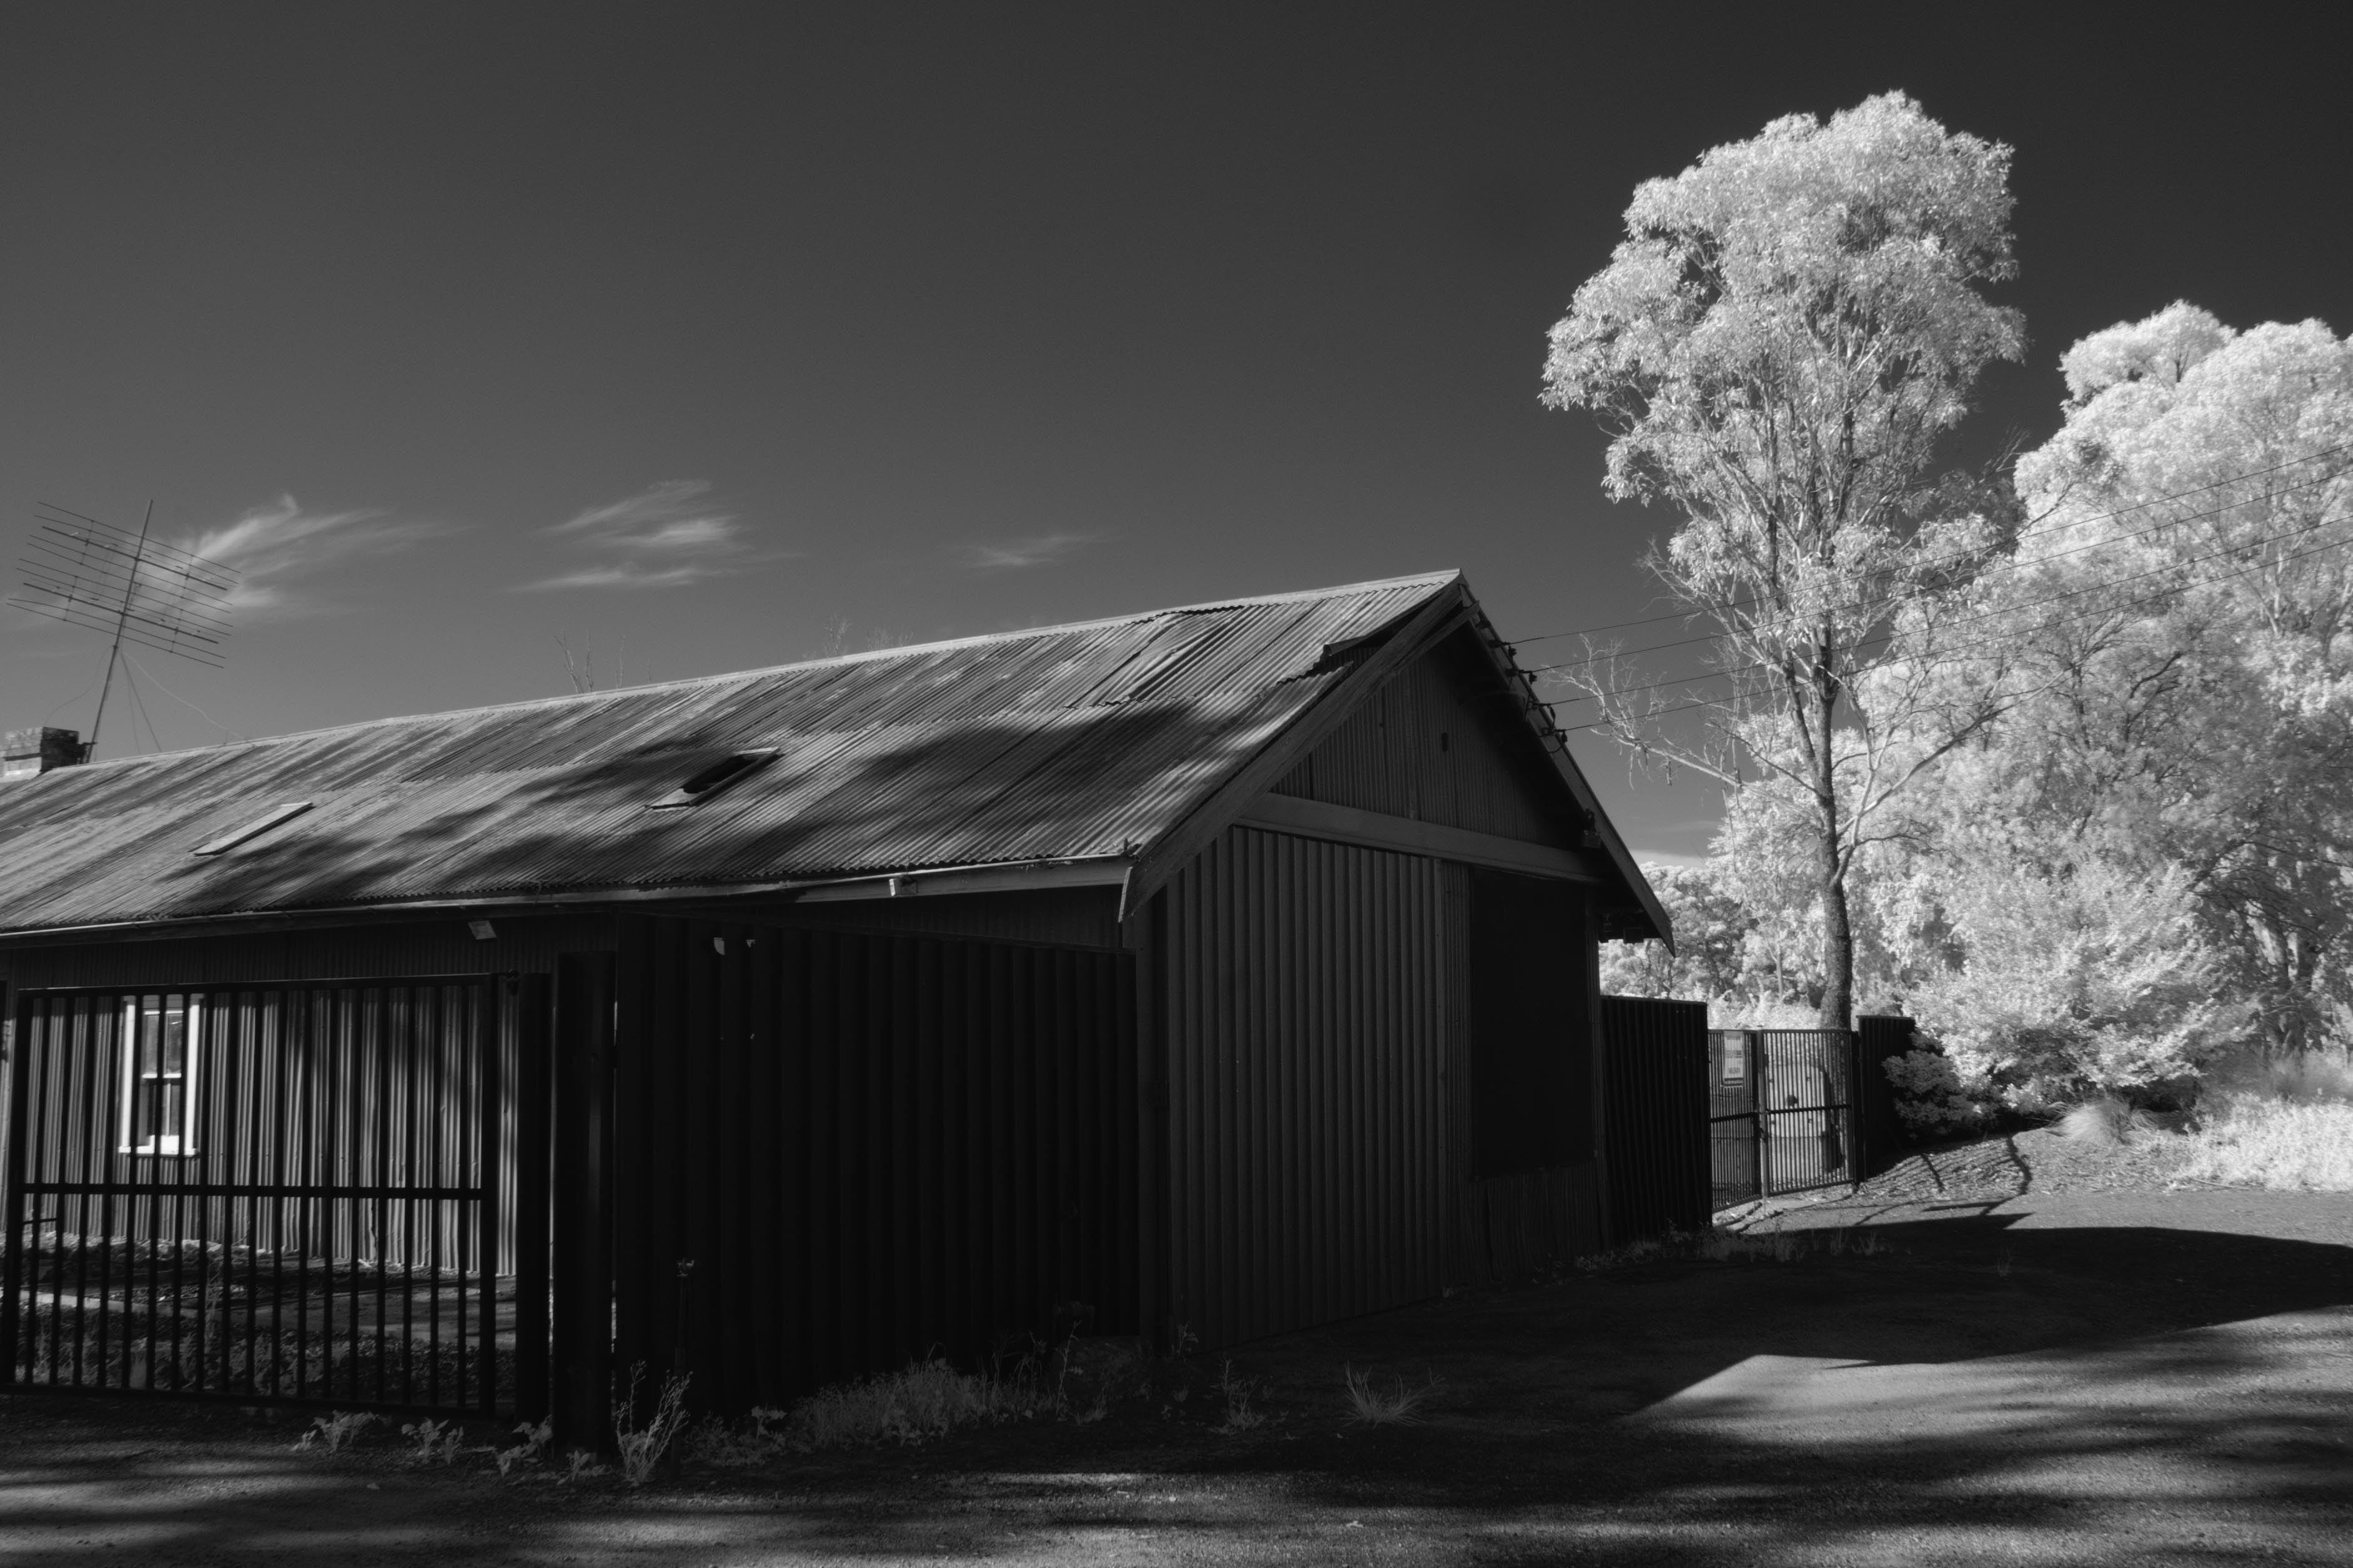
(2182, 603)
(1789, 329)
(2078, 976)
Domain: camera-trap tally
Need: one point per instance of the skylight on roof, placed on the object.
(256, 828)
(718, 776)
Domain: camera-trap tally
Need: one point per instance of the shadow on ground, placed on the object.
(2066, 1383)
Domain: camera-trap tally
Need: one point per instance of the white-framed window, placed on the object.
(162, 1044)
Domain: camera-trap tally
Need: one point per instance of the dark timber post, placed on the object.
(583, 1240)
(12, 1181)
(1756, 1070)
(531, 1197)
(1601, 1068)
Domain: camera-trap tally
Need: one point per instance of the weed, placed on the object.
(435, 1440)
(1182, 1342)
(929, 1399)
(531, 1450)
(1374, 1408)
(757, 1437)
(642, 1447)
(580, 1464)
(2001, 1265)
(1721, 1246)
(2105, 1122)
(1730, 1246)
(338, 1431)
(1238, 1392)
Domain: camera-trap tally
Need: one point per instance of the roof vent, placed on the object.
(256, 828)
(714, 778)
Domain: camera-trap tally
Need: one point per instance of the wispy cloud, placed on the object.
(279, 551)
(665, 536)
(1040, 550)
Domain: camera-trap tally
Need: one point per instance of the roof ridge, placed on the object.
(1432, 579)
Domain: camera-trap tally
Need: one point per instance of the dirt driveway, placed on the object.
(2071, 1377)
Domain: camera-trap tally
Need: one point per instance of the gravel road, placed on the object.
(2068, 1372)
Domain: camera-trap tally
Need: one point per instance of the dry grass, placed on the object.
(1376, 1408)
(929, 1399)
(2286, 1124)
(2104, 1123)
(2276, 1143)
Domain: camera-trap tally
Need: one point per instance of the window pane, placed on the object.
(174, 1051)
(147, 1040)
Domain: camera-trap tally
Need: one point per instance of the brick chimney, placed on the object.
(24, 752)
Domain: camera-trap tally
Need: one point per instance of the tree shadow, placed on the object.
(1091, 781)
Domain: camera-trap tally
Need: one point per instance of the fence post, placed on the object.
(583, 1315)
(531, 1197)
(12, 1180)
(1757, 1068)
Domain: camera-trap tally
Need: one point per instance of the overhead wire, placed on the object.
(140, 703)
(1880, 605)
(175, 696)
(1742, 603)
(2006, 609)
(2207, 582)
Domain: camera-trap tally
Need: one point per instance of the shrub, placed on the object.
(2079, 978)
(1930, 1099)
(929, 1399)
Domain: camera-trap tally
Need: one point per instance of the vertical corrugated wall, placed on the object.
(1306, 1051)
(836, 1151)
(1527, 1191)
(1656, 1115)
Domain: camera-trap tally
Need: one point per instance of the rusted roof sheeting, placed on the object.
(1064, 742)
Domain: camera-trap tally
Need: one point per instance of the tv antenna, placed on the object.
(132, 587)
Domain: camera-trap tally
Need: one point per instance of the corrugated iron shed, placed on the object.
(1085, 741)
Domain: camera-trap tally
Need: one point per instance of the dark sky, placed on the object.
(715, 337)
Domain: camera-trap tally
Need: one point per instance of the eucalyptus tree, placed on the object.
(2183, 606)
(1777, 348)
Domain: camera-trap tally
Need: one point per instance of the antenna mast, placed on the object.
(86, 572)
(121, 619)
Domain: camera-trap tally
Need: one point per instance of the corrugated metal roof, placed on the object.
(1071, 742)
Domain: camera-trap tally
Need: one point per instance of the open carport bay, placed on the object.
(2128, 1376)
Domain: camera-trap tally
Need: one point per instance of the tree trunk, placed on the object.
(1838, 933)
(1838, 946)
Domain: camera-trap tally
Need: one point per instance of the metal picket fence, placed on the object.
(1781, 1113)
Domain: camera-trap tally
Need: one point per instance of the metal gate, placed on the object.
(1781, 1113)
(292, 1192)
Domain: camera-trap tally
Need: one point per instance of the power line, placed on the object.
(2208, 582)
(2006, 609)
(1736, 604)
(1883, 603)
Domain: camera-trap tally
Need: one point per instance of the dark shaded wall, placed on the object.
(1528, 1185)
(1657, 1075)
(1374, 1089)
(871, 1147)
(1306, 1036)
